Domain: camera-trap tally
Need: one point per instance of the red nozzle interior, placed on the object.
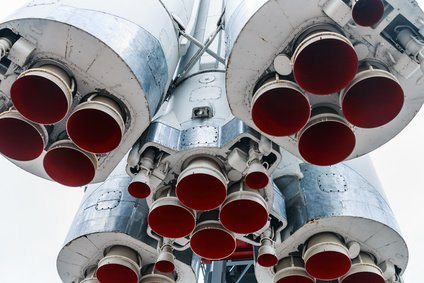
(281, 111)
(201, 191)
(69, 167)
(327, 143)
(39, 100)
(19, 140)
(113, 273)
(373, 102)
(94, 130)
(328, 265)
(171, 221)
(139, 190)
(243, 216)
(164, 266)
(267, 260)
(257, 180)
(363, 277)
(296, 279)
(368, 12)
(213, 243)
(326, 66)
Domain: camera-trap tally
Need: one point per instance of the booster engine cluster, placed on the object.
(215, 130)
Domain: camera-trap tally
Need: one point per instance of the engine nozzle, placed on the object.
(292, 270)
(21, 139)
(326, 257)
(166, 260)
(367, 12)
(140, 185)
(244, 211)
(280, 108)
(210, 240)
(170, 219)
(256, 176)
(202, 185)
(364, 270)
(324, 63)
(43, 95)
(68, 165)
(96, 125)
(267, 256)
(121, 264)
(373, 99)
(326, 140)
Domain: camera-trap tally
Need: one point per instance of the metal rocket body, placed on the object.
(218, 141)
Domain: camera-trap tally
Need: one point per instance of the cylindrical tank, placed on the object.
(303, 74)
(96, 71)
(334, 213)
(109, 233)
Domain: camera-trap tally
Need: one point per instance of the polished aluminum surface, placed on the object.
(109, 216)
(108, 48)
(258, 31)
(345, 199)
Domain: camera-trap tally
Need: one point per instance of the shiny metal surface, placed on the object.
(107, 48)
(182, 137)
(345, 199)
(109, 216)
(258, 31)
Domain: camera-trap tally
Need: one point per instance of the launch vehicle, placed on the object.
(216, 140)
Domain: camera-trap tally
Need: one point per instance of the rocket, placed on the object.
(213, 132)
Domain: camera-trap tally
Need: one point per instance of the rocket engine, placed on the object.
(326, 80)
(215, 134)
(81, 80)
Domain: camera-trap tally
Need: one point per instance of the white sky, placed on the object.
(35, 214)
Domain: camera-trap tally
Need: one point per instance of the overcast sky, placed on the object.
(35, 214)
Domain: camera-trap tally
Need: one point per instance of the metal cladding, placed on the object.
(43, 95)
(367, 12)
(280, 108)
(322, 208)
(96, 125)
(86, 81)
(324, 63)
(111, 230)
(230, 125)
(321, 58)
(68, 165)
(21, 139)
